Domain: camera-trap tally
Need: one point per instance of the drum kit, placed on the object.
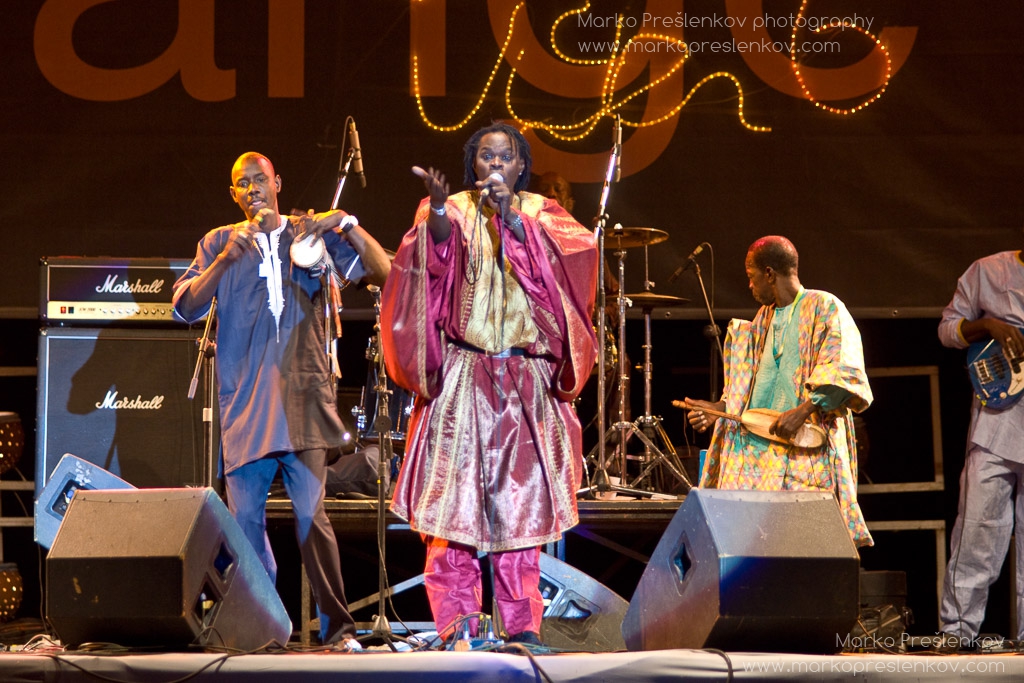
(381, 397)
(384, 408)
(646, 428)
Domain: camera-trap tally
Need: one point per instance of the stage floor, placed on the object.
(598, 519)
(437, 667)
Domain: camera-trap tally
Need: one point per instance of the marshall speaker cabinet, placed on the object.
(118, 398)
(115, 364)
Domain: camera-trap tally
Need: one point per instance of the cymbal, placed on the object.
(652, 300)
(633, 237)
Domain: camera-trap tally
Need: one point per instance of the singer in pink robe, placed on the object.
(495, 355)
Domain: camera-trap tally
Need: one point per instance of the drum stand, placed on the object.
(381, 627)
(646, 427)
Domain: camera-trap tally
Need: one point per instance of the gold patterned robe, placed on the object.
(494, 456)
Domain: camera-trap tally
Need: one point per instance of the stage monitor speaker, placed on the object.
(581, 613)
(71, 474)
(118, 398)
(748, 570)
(160, 568)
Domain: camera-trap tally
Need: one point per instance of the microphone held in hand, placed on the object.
(257, 222)
(690, 260)
(491, 180)
(261, 215)
(357, 153)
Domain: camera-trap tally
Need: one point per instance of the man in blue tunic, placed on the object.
(276, 390)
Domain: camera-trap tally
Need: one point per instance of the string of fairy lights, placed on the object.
(793, 52)
(609, 106)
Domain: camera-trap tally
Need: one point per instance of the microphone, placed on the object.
(258, 221)
(690, 260)
(357, 153)
(260, 215)
(491, 179)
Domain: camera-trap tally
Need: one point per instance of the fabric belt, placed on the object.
(507, 353)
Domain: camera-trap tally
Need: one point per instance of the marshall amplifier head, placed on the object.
(118, 398)
(91, 291)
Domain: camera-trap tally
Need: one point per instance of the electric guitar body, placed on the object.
(998, 381)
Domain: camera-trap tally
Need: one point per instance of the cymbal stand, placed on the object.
(382, 424)
(647, 426)
(624, 429)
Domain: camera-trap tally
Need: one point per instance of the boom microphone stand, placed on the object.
(382, 424)
(205, 360)
(712, 332)
(600, 481)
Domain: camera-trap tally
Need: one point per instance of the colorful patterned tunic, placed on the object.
(826, 357)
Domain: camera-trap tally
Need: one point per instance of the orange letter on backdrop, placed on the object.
(191, 53)
(776, 68)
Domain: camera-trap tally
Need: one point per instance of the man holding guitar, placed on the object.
(800, 361)
(987, 314)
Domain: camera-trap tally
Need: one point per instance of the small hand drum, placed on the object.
(309, 252)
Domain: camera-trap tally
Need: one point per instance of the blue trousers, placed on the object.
(303, 474)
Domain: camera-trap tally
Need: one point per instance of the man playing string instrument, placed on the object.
(987, 308)
(801, 356)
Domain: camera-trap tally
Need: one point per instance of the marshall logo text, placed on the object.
(111, 402)
(124, 287)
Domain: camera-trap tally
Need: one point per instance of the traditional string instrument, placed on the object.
(758, 420)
